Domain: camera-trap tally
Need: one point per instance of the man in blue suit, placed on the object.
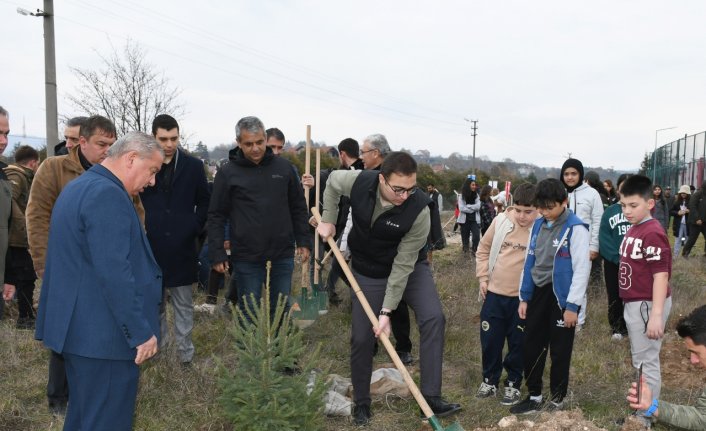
(99, 304)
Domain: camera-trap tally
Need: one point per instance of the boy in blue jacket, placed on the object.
(552, 286)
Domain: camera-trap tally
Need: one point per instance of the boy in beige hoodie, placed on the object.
(499, 262)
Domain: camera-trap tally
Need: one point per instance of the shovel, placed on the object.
(428, 413)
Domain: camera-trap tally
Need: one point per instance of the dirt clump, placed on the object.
(571, 420)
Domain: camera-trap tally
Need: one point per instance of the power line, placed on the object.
(260, 81)
(269, 71)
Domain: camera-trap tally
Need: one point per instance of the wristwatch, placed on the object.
(653, 408)
(385, 313)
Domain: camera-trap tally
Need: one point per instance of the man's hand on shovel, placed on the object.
(326, 230)
(383, 325)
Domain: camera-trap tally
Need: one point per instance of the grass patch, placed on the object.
(172, 398)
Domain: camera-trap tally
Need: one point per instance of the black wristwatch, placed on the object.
(385, 313)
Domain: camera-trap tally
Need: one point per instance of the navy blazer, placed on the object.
(102, 285)
(174, 219)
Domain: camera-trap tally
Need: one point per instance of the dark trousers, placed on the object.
(694, 231)
(401, 327)
(57, 386)
(215, 282)
(421, 295)
(19, 271)
(544, 330)
(470, 228)
(103, 394)
(334, 274)
(500, 322)
(25, 293)
(615, 304)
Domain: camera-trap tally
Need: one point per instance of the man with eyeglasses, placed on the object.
(375, 149)
(391, 223)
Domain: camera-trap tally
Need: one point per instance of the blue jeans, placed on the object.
(251, 277)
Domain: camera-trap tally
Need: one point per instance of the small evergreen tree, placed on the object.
(261, 393)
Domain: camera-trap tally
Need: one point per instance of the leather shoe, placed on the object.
(406, 357)
(361, 414)
(57, 408)
(441, 407)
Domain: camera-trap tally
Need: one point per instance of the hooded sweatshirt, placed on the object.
(585, 202)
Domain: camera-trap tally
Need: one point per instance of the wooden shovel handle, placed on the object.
(374, 320)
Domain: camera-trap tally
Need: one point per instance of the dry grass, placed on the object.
(172, 398)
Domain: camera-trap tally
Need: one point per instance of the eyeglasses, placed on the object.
(399, 191)
(367, 151)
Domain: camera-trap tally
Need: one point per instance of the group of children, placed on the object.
(533, 267)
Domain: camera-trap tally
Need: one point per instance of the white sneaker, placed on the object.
(486, 390)
(511, 395)
(205, 308)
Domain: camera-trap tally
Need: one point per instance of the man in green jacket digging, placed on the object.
(693, 330)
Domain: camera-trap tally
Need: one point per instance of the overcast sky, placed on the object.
(544, 78)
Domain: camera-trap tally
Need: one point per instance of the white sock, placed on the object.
(537, 399)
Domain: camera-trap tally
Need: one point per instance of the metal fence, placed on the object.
(679, 162)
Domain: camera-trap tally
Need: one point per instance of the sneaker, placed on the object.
(553, 406)
(486, 390)
(527, 406)
(617, 336)
(406, 357)
(205, 308)
(511, 395)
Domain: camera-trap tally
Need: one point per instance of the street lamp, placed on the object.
(49, 72)
(654, 155)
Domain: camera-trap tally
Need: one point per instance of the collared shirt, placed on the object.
(340, 184)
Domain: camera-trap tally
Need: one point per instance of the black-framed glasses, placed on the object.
(367, 151)
(399, 191)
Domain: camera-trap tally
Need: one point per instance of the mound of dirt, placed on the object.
(572, 420)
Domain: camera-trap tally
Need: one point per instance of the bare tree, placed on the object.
(127, 89)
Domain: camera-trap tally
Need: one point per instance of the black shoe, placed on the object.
(25, 323)
(527, 406)
(333, 299)
(405, 357)
(57, 408)
(361, 414)
(441, 407)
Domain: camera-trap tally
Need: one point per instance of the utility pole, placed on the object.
(50, 77)
(474, 128)
(52, 115)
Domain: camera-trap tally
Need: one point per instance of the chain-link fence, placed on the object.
(679, 162)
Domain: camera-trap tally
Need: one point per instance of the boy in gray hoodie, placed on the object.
(552, 286)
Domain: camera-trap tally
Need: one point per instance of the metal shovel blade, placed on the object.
(436, 425)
